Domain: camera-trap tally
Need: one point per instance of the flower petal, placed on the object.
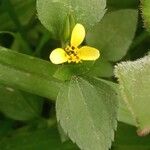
(58, 56)
(78, 35)
(88, 53)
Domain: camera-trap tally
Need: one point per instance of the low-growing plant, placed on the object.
(74, 74)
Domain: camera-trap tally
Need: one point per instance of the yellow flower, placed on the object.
(74, 53)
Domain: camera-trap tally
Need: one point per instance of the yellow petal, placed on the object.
(88, 53)
(58, 56)
(78, 35)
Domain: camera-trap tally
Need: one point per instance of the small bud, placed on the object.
(68, 27)
(72, 21)
(66, 30)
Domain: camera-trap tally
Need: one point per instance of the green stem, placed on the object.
(14, 17)
(44, 39)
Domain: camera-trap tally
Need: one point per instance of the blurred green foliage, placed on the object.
(87, 106)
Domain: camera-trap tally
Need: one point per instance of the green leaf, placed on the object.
(24, 10)
(134, 80)
(53, 14)
(44, 138)
(145, 5)
(124, 115)
(19, 105)
(101, 68)
(6, 126)
(65, 72)
(86, 111)
(127, 139)
(62, 134)
(117, 4)
(114, 34)
(28, 73)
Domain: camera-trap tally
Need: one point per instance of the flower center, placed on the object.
(72, 54)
